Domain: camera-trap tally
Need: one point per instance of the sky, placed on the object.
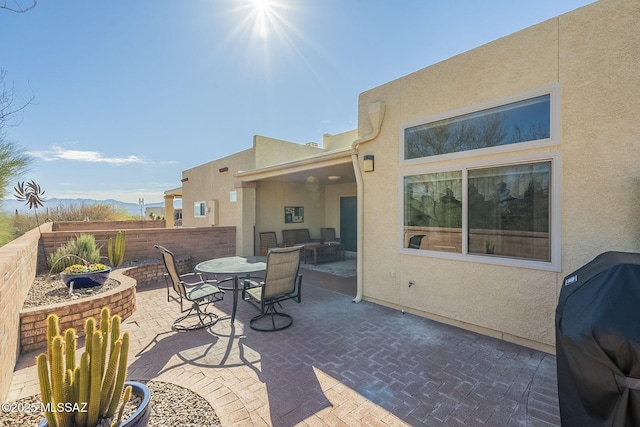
(128, 94)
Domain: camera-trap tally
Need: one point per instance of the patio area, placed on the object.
(339, 364)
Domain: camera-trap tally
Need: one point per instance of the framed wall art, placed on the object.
(293, 214)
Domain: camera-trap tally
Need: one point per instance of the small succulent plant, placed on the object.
(84, 268)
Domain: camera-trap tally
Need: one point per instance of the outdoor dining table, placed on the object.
(234, 266)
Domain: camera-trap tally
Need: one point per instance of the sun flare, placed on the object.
(261, 11)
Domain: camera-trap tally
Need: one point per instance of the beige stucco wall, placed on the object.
(593, 54)
(259, 206)
(270, 151)
(321, 206)
(206, 183)
(339, 140)
(272, 197)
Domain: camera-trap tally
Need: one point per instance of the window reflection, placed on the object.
(521, 121)
(508, 211)
(433, 211)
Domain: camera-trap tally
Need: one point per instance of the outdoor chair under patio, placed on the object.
(269, 240)
(328, 235)
(199, 293)
(281, 282)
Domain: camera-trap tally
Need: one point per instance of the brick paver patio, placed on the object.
(340, 364)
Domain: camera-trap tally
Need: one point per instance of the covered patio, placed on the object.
(339, 364)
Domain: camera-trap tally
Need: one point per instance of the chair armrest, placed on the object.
(200, 279)
(218, 282)
(249, 282)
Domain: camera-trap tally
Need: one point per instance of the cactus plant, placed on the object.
(115, 250)
(83, 248)
(94, 387)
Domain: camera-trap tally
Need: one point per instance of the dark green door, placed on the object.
(349, 223)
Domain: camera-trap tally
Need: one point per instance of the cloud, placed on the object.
(59, 153)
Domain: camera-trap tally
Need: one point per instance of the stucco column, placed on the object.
(246, 219)
(168, 211)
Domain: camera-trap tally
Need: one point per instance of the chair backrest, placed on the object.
(415, 241)
(268, 239)
(172, 270)
(289, 237)
(282, 271)
(328, 235)
(302, 235)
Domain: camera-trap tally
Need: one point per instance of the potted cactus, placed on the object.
(85, 393)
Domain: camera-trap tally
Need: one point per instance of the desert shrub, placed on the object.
(83, 248)
(84, 211)
(77, 212)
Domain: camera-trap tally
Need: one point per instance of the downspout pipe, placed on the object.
(376, 114)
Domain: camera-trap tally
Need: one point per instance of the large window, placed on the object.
(498, 211)
(525, 120)
(508, 211)
(433, 211)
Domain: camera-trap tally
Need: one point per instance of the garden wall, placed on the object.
(106, 225)
(17, 271)
(199, 243)
(120, 300)
(18, 261)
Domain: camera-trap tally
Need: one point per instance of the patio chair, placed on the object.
(268, 240)
(281, 282)
(199, 293)
(415, 241)
(328, 235)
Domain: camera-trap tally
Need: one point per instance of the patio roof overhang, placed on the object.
(336, 163)
(175, 192)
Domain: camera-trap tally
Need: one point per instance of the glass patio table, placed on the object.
(234, 266)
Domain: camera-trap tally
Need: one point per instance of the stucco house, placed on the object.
(490, 176)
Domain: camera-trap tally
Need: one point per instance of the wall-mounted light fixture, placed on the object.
(224, 169)
(368, 165)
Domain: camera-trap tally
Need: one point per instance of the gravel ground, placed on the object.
(51, 290)
(171, 405)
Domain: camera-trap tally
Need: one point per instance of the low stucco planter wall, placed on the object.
(121, 300)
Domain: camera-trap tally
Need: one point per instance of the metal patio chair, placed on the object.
(281, 282)
(199, 294)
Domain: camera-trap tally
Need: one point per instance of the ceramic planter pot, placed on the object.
(86, 280)
(140, 418)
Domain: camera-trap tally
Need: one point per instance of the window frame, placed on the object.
(554, 264)
(197, 209)
(554, 127)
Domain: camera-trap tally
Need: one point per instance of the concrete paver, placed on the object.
(339, 364)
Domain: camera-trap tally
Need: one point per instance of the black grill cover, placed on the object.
(598, 343)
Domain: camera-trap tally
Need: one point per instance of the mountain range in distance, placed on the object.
(133, 209)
